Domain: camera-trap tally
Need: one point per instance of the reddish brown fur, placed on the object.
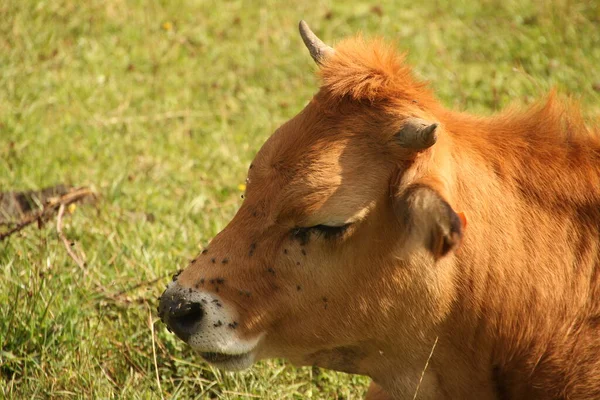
(516, 308)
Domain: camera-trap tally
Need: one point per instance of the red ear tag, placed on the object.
(463, 219)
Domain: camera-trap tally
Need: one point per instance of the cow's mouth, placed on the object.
(221, 357)
(228, 361)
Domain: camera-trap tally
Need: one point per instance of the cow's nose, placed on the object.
(183, 317)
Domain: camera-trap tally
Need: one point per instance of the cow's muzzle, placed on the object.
(209, 325)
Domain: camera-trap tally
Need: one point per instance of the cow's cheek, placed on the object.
(302, 297)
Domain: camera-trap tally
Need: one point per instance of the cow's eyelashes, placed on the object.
(329, 231)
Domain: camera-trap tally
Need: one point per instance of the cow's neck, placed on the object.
(529, 267)
(432, 366)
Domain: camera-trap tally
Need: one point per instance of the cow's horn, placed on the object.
(318, 50)
(417, 134)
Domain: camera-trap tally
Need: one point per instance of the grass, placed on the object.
(160, 106)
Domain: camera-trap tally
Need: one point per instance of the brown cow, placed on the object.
(345, 252)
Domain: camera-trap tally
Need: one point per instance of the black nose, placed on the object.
(181, 316)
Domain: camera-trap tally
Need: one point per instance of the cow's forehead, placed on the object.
(317, 169)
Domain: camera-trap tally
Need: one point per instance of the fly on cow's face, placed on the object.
(176, 275)
(301, 234)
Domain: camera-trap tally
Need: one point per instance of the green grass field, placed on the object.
(160, 107)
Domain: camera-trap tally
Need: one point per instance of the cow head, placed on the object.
(345, 235)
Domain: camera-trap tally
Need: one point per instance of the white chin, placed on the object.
(229, 362)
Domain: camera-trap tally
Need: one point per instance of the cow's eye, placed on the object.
(330, 231)
(327, 231)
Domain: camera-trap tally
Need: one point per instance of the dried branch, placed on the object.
(49, 209)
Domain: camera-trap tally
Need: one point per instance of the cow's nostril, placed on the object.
(181, 316)
(187, 316)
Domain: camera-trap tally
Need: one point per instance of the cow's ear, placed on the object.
(429, 220)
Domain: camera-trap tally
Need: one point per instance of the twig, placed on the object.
(111, 380)
(67, 243)
(154, 351)
(425, 368)
(44, 214)
(139, 285)
(118, 297)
